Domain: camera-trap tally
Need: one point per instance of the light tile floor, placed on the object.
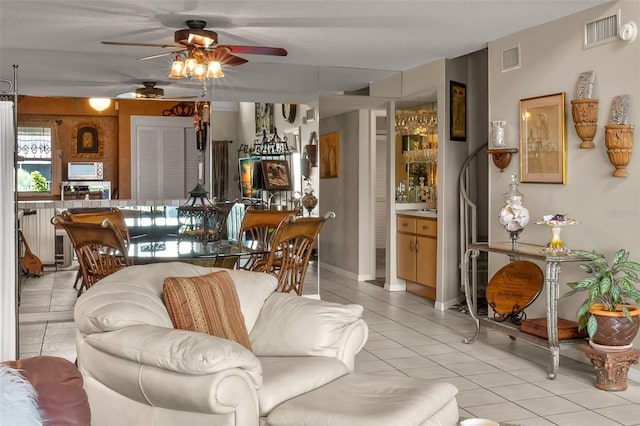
(497, 377)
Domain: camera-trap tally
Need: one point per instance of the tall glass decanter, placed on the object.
(514, 217)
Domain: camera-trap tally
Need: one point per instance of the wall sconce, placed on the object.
(500, 155)
(99, 104)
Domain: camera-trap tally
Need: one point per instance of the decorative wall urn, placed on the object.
(585, 118)
(619, 141)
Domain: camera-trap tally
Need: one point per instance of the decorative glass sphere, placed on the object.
(309, 201)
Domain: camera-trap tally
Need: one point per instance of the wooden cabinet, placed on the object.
(417, 254)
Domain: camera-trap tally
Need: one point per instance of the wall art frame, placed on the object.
(458, 111)
(264, 119)
(251, 181)
(276, 175)
(543, 152)
(330, 155)
(85, 141)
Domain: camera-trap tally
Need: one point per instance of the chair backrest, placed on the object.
(114, 215)
(259, 226)
(223, 210)
(100, 247)
(291, 248)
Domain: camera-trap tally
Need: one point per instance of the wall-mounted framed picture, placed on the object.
(251, 182)
(264, 119)
(458, 111)
(87, 140)
(276, 175)
(543, 154)
(330, 155)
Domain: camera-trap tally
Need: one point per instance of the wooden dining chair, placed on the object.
(97, 215)
(291, 248)
(113, 214)
(100, 248)
(257, 230)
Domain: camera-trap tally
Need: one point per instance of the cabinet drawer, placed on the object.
(406, 224)
(428, 227)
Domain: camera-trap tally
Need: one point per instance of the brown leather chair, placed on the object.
(257, 230)
(62, 399)
(100, 248)
(291, 248)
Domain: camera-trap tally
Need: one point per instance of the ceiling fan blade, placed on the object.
(158, 55)
(125, 43)
(225, 57)
(256, 50)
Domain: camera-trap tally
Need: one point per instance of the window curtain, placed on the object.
(220, 169)
(8, 280)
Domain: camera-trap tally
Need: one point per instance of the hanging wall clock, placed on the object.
(289, 112)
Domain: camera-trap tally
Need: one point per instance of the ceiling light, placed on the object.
(99, 104)
(214, 70)
(199, 64)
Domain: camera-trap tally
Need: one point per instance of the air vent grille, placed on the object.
(511, 58)
(601, 31)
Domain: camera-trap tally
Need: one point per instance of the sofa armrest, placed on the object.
(107, 376)
(290, 325)
(178, 351)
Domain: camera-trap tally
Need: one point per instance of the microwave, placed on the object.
(85, 171)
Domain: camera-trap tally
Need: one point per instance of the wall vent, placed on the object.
(511, 58)
(601, 31)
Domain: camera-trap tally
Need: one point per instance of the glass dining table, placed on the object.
(155, 238)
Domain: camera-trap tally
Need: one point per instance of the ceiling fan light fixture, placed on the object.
(177, 68)
(199, 71)
(214, 70)
(202, 38)
(99, 104)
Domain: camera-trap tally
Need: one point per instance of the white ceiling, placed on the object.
(334, 46)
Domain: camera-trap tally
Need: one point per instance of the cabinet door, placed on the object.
(426, 255)
(406, 257)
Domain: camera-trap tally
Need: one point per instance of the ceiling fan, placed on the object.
(198, 43)
(149, 91)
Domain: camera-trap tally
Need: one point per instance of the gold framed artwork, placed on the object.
(85, 143)
(543, 154)
(330, 155)
(458, 111)
(87, 140)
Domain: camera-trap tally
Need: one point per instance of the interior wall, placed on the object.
(338, 241)
(608, 207)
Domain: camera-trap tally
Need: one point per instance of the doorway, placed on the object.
(380, 175)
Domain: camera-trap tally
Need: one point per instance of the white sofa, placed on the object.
(139, 370)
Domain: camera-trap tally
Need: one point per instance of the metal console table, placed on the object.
(552, 273)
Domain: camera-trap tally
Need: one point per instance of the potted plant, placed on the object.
(608, 313)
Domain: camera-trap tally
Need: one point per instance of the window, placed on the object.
(34, 159)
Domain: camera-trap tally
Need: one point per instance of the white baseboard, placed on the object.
(344, 273)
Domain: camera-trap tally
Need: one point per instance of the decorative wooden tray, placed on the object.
(538, 327)
(514, 287)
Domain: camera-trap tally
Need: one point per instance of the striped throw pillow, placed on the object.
(206, 304)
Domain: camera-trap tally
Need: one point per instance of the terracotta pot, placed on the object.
(614, 329)
(619, 141)
(585, 118)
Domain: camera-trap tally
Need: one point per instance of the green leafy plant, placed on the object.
(612, 285)
(39, 182)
